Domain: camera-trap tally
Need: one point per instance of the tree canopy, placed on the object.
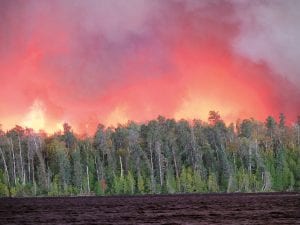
(160, 156)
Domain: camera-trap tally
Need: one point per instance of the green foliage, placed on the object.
(282, 120)
(54, 187)
(246, 128)
(199, 185)
(141, 185)
(77, 170)
(212, 183)
(129, 184)
(171, 182)
(3, 190)
(271, 125)
(19, 190)
(161, 156)
(232, 184)
(118, 183)
(100, 187)
(186, 180)
(243, 181)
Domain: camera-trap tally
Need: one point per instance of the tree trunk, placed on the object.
(88, 179)
(121, 165)
(175, 164)
(42, 164)
(97, 169)
(48, 177)
(152, 168)
(249, 164)
(33, 175)
(193, 143)
(21, 161)
(14, 161)
(158, 151)
(33, 178)
(28, 160)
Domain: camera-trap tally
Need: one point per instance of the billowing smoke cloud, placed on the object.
(94, 61)
(270, 33)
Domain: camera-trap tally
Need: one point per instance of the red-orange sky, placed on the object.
(109, 61)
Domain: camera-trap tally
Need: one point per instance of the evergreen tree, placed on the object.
(160, 156)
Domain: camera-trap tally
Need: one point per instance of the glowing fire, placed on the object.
(73, 63)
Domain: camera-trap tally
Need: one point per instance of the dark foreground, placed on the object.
(274, 208)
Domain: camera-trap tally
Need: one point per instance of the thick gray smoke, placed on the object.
(270, 32)
(90, 61)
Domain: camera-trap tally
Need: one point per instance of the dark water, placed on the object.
(275, 208)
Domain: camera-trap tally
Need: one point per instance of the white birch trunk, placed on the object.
(88, 179)
(28, 163)
(14, 161)
(121, 165)
(21, 161)
(158, 150)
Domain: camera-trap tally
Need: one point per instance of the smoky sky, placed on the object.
(109, 61)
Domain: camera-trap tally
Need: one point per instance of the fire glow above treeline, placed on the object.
(110, 61)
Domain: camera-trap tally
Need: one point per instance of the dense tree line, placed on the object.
(160, 156)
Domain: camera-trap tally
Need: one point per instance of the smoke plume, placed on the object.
(109, 61)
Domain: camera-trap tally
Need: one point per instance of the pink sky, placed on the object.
(109, 61)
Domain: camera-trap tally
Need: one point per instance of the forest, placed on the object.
(161, 156)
